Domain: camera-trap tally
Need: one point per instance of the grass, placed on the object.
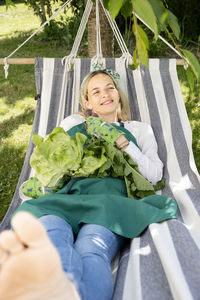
(192, 103)
(17, 93)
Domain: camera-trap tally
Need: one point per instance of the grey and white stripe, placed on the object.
(164, 262)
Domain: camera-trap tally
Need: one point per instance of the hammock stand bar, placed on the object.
(31, 61)
(18, 61)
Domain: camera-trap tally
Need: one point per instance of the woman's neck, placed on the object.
(109, 118)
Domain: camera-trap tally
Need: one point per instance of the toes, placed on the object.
(9, 242)
(29, 230)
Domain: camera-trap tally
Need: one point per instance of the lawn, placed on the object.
(17, 96)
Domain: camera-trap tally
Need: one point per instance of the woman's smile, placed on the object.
(107, 102)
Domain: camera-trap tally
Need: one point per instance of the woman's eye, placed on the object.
(96, 92)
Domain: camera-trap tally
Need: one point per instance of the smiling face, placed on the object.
(103, 97)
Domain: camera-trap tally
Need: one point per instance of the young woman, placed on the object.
(89, 219)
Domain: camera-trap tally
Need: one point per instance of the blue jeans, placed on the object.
(87, 261)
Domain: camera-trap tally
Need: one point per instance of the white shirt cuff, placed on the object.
(133, 151)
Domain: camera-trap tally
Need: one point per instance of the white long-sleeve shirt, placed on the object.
(146, 156)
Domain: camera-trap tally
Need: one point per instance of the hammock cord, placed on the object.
(114, 27)
(98, 58)
(6, 65)
(118, 36)
(98, 33)
(81, 28)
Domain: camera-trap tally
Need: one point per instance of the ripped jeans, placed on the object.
(87, 260)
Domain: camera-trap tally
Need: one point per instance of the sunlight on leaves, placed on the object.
(144, 10)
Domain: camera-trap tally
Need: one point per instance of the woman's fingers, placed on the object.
(122, 142)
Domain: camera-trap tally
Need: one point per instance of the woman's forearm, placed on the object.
(150, 169)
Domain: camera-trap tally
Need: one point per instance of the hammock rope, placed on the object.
(81, 28)
(115, 30)
(118, 36)
(98, 58)
(98, 33)
(6, 66)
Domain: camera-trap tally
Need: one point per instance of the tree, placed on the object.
(59, 30)
(43, 8)
(107, 37)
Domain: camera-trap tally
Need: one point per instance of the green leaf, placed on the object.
(126, 9)
(143, 55)
(135, 59)
(36, 139)
(114, 7)
(142, 35)
(194, 64)
(141, 45)
(160, 12)
(160, 185)
(128, 186)
(9, 3)
(105, 3)
(90, 163)
(173, 23)
(145, 11)
(141, 182)
(190, 78)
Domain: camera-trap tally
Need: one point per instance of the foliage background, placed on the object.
(17, 93)
(187, 13)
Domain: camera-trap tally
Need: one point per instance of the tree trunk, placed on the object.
(38, 12)
(107, 37)
(42, 5)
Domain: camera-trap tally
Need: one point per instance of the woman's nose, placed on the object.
(105, 93)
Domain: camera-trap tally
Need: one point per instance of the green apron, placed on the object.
(102, 201)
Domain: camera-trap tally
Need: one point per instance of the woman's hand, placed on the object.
(122, 142)
(101, 129)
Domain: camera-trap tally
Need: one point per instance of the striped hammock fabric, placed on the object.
(164, 262)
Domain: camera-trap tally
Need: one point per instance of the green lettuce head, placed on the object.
(56, 155)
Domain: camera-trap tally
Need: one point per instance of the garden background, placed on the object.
(17, 92)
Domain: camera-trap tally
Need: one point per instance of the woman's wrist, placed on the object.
(122, 143)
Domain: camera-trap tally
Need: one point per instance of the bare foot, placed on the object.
(30, 267)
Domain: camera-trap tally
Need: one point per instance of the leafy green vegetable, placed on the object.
(160, 185)
(56, 156)
(60, 156)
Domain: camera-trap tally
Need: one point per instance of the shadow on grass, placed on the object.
(8, 126)
(39, 45)
(19, 85)
(12, 159)
(21, 78)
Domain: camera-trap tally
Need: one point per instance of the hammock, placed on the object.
(164, 262)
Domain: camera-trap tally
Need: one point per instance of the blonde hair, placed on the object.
(124, 108)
